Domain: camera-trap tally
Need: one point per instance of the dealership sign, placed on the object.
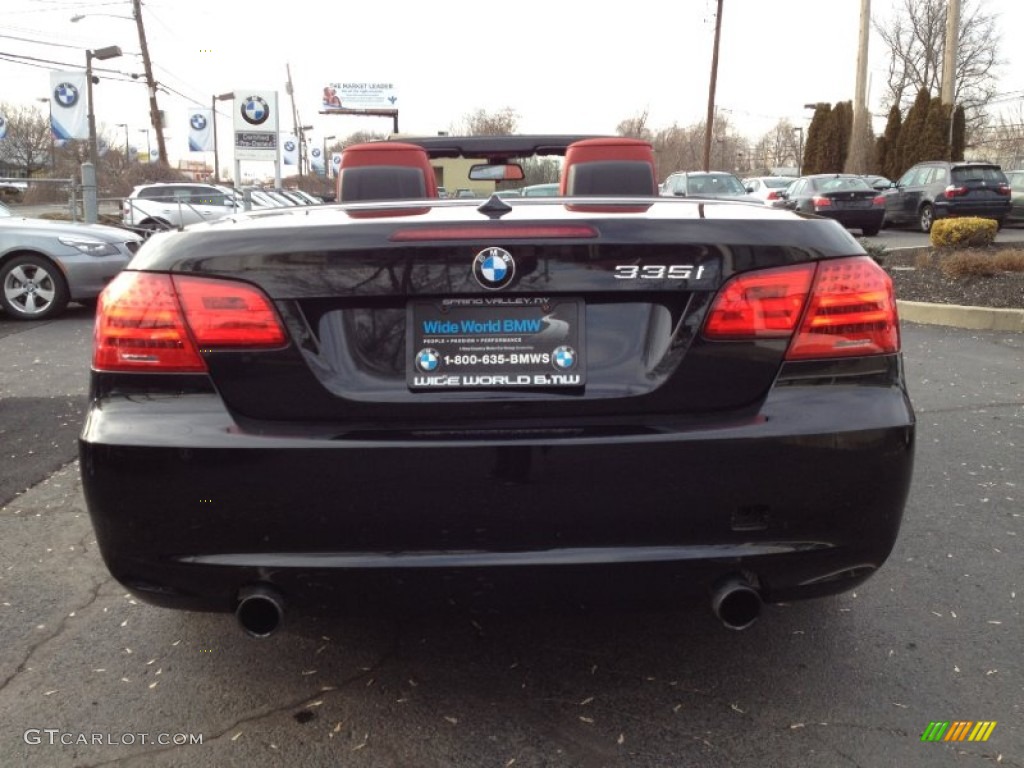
(255, 125)
(358, 96)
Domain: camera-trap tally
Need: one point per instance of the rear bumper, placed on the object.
(994, 209)
(857, 219)
(188, 508)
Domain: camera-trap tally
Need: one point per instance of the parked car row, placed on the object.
(168, 205)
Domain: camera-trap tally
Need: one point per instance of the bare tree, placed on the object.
(682, 149)
(635, 127)
(915, 36)
(778, 148)
(27, 144)
(484, 123)
(359, 137)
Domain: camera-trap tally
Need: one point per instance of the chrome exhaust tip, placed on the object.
(260, 610)
(736, 603)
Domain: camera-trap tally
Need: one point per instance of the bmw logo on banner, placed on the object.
(198, 122)
(3, 127)
(65, 95)
(256, 125)
(494, 268)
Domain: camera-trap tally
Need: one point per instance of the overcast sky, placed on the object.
(565, 66)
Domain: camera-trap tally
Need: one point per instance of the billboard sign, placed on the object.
(256, 125)
(357, 96)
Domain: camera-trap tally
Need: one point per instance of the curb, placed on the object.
(973, 318)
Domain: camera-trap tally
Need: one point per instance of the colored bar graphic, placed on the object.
(958, 730)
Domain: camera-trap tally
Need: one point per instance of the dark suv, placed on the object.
(937, 189)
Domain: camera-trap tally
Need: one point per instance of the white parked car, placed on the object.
(169, 205)
(767, 188)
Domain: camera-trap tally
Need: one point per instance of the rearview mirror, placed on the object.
(497, 172)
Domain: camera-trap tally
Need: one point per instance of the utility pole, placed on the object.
(154, 110)
(857, 159)
(949, 55)
(709, 125)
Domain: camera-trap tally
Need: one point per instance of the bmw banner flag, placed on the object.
(335, 163)
(316, 160)
(290, 150)
(70, 102)
(3, 127)
(200, 130)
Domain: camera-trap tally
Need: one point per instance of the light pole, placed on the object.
(216, 157)
(800, 150)
(327, 169)
(102, 54)
(53, 151)
(127, 151)
(149, 149)
(302, 147)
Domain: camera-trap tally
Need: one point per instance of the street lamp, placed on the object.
(155, 117)
(53, 152)
(149, 150)
(102, 54)
(81, 16)
(216, 157)
(127, 151)
(327, 170)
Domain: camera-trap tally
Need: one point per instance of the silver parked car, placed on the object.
(45, 264)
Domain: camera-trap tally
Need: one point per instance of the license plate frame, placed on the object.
(496, 343)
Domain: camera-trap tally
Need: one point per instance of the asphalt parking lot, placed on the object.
(91, 677)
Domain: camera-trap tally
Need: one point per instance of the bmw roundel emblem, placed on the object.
(315, 152)
(563, 358)
(494, 268)
(289, 146)
(66, 95)
(255, 110)
(427, 360)
(198, 123)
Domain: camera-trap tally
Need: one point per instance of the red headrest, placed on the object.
(387, 154)
(619, 157)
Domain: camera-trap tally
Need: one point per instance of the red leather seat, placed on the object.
(385, 170)
(609, 166)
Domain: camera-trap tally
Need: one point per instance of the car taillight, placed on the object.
(153, 322)
(821, 202)
(954, 191)
(836, 308)
(763, 304)
(223, 313)
(851, 312)
(878, 201)
(1003, 190)
(773, 195)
